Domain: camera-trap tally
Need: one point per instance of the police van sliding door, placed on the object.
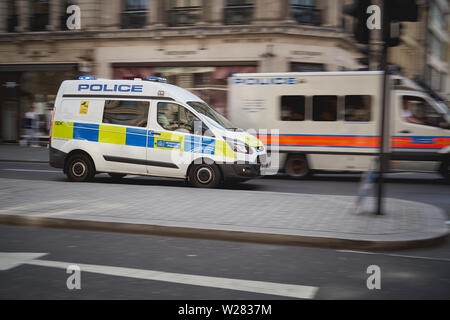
(122, 135)
(170, 125)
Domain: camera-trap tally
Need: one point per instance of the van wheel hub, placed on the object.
(78, 169)
(205, 175)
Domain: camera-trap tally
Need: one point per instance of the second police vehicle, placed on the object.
(147, 127)
(331, 120)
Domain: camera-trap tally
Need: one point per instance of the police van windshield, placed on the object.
(211, 114)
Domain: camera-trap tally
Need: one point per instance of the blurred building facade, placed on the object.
(194, 43)
(424, 52)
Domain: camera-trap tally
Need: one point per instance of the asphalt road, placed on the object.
(412, 274)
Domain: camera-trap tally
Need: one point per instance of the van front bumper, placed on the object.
(239, 171)
(57, 158)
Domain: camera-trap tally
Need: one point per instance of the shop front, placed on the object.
(28, 86)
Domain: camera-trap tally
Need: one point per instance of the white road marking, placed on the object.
(396, 255)
(9, 260)
(32, 170)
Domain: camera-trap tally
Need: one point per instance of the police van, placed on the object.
(147, 127)
(331, 120)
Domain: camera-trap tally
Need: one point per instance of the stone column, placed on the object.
(3, 16)
(216, 11)
(330, 12)
(24, 16)
(285, 12)
(56, 10)
(111, 11)
(268, 10)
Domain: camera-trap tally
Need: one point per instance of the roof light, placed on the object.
(87, 78)
(157, 79)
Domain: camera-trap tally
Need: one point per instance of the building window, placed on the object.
(436, 47)
(292, 108)
(13, 15)
(126, 112)
(185, 13)
(307, 67)
(134, 14)
(305, 12)
(436, 14)
(174, 117)
(358, 108)
(325, 108)
(238, 12)
(39, 17)
(434, 78)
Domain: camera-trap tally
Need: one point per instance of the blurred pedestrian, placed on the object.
(31, 125)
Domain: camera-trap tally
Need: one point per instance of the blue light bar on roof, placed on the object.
(87, 78)
(157, 79)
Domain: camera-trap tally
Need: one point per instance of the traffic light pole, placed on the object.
(384, 125)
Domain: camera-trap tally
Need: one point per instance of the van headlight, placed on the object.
(238, 146)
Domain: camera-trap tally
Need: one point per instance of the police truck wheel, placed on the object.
(117, 176)
(205, 176)
(445, 169)
(297, 166)
(80, 168)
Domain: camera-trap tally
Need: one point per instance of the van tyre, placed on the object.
(297, 166)
(80, 168)
(205, 176)
(445, 169)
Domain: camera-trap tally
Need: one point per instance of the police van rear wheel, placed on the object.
(205, 176)
(80, 168)
(297, 166)
(445, 169)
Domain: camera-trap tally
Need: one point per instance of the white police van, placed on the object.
(147, 127)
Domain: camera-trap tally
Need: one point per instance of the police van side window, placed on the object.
(325, 108)
(174, 117)
(126, 112)
(358, 108)
(292, 108)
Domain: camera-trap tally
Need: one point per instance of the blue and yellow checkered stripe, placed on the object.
(105, 133)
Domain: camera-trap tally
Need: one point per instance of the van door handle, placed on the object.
(405, 131)
(154, 133)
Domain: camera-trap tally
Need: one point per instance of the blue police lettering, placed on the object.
(136, 88)
(110, 88)
(96, 87)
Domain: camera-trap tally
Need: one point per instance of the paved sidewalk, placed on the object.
(17, 153)
(271, 217)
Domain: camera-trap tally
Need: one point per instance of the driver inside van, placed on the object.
(407, 114)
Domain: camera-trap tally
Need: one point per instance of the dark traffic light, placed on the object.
(398, 11)
(358, 10)
(402, 10)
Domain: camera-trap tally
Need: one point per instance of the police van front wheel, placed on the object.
(80, 168)
(205, 176)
